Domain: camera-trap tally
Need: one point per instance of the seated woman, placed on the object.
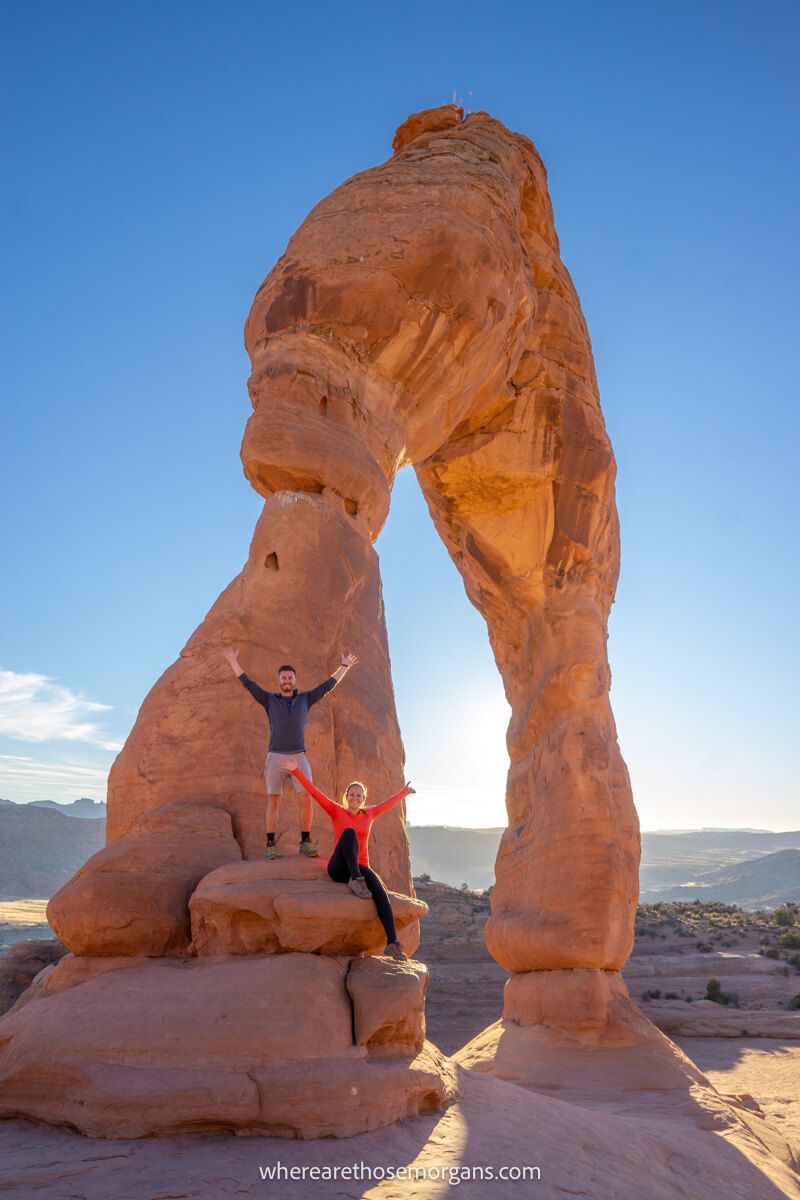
(349, 862)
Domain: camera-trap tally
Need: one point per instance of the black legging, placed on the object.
(343, 864)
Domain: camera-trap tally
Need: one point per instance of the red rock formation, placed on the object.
(132, 897)
(262, 1043)
(420, 315)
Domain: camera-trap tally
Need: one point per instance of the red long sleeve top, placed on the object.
(341, 818)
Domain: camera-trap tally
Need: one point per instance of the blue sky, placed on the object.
(158, 159)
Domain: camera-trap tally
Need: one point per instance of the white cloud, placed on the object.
(23, 779)
(34, 708)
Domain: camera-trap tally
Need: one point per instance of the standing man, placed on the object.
(287, 710)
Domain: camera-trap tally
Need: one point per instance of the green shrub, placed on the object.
(714, 990)
(787, 915)
(790, 940)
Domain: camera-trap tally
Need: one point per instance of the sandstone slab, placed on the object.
(263, 1043)
(705, 1018)
(289, 904)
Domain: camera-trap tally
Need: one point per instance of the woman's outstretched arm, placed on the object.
(329, 805)
(375, 810)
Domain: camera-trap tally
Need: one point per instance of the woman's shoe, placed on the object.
(359, 887)
(395, 950)
(308, 850)
(270, 851)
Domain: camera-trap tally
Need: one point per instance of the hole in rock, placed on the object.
(323, 406)
(351, 506)
(271, 562)
(450, 701)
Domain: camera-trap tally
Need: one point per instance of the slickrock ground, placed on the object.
(634, 1152)
(580, 1145)
(768, 1069)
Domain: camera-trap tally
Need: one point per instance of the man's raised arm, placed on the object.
(327, 685)
(255, 691)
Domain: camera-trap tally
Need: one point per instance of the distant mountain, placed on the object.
(764, 882)
(78, 808)
(669, 858)
(40, 849)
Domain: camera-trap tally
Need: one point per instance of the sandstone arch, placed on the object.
(420, 315)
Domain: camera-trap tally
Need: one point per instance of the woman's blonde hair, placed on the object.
(353, 783)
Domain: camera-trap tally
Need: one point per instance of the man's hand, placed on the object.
(232, 657)
(348, 661)
(288, 764)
